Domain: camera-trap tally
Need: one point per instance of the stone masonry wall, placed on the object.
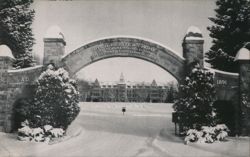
(20, 85)
(245, 95)
(53, 50)
(5, 64)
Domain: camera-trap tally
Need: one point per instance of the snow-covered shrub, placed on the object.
(196, 96)
(221, 131)
(207, 134)
(24, 133)
(55, 101)
(221, 136)
(38, 134)
(47, 128)
(191, 136)
(57, 132)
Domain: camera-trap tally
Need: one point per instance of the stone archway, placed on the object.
(124, 47)
(16, 84)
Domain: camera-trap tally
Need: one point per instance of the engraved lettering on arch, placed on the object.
(125, 48)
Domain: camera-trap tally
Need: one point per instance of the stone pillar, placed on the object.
(243, 58)
(54, 46)
(193, 47)
(6, 61)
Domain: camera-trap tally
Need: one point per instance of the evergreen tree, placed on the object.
(231, 30)
(56, 99)
(15, 30)
(196, 98)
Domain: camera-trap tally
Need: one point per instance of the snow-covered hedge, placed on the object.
(44, 134)
(207, 134)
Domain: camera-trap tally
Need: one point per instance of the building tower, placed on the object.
(96, 92)
(154, 92)
(121, 90)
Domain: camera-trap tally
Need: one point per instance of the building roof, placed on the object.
(101, 84)
(5, 51)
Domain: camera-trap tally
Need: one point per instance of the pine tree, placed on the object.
(196, 99)
(15, 30)
(231, 30)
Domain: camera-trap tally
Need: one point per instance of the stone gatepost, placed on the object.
(54, 46)
(243, 59)
(193, 48)
(6, 61)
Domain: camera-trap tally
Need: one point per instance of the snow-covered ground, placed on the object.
(145, 130)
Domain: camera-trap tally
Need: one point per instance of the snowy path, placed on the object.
(145, 130)
(108, 133)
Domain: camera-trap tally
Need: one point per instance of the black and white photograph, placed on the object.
(124, 78)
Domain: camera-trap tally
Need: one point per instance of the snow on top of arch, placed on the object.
(54, 32)
(5, 51)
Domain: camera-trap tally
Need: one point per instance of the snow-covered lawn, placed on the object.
(145, 130)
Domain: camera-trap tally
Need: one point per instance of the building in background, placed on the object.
(126, 91)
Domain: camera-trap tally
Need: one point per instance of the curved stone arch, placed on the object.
(125, 47)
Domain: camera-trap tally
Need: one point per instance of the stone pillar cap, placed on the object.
(193, 33)
(54, 32)
(243, 53)
(5, 51)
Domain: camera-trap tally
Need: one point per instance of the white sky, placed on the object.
(163, 21)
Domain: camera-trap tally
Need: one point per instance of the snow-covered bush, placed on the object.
(24, 133)
(57, 132)
(192, 136)
(207, 134)
(47, 128)
(221, 131)
(196, 96)
(38, 134)
(55, 101)
(44, 134)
